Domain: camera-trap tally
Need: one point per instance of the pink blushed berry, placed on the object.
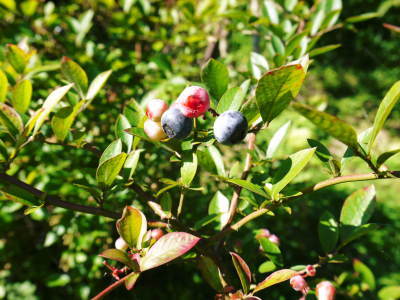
(325, 291)
(311, 271)
(155, 109)
(120, 244)
(274, 239)
(193, 102)
(154, 130)
(156, 234)
(263, 233)
(299, 284)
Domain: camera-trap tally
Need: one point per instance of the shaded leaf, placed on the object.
(290, 169)
(357, 233)
(132, 227)
(385, 108)
(216, 77)
(21, 97)
(332, 125)
(231, 100)
(277, 88)
(328, 231)
(167, 248)
(211, 273)
(275, 278)
(272, 251)
(367, 276)
(206, 220)
(119, 256)
(109, 170)
(385, 156)
(243, 271)
(321, 151)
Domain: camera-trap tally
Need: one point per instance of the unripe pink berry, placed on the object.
(263, 233)
(120, 244)
(325, 291)
(274, 239)
(155, 109)
(311, 271)
(193, 102)
(299, 284)
(154, 130)
(156, 233)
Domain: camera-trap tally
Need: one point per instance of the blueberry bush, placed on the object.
(185, 149)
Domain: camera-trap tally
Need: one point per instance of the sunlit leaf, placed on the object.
(259, 65)
(272, 251)
(75, 74)
(367, 276)
(211, 273)
(231, 100)
(188, 170)
(385, 156)
(17, 58)
(216, 77)
(277, 139)
(275, 278)
(219, 205)
(167, 248)
(119, 256)
(109, 170)
(97, 84)
(3, 86)
(132, 227)
(63, 120)
(11, 120)
(21, 96)
(120, 126)
(112, 150)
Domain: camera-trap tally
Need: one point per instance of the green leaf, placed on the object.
(216, 77)
(57, 280)
(272, 251)
(290, 168)
(211, 273)
(277, 139)
(385, 156)
(206, 220)
(357, 210)
(131, 280)
(358, 232)
(275, 278)
(75, 74)
(218, 161)
(120, 126)
(3, 151)
(266, 267)
(330, 124)
(250, 111)
(323, 50)
(11, 120)
(259, 65)
(384, 110)
(21, 97)
(167, 248)
(362, 17)
(131, 163)
(279, 47)
(49, 104)
(219, 204)
(17, 58)
(247, 185)
(97, 84)
(243, 271)
(321, 151)
(389, 292)
(119, 256)
(3, 86)
(109, 170)
(328, 232)
(277, 88)
(21, 195)
(231, 100)
(290, 4)
(112, 150)
(63, 120)
(367, 276)
(188, 170)
(270, 11)
(132, 227)
(294, 43)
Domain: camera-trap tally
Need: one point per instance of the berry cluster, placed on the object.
(177, 121)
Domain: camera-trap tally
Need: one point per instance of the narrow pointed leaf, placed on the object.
(21, 97)
(216, 77)
(17, 58)
(322, 50)
(63, 120)
(243, 271)
(211, 273)
(272, 251)
(275, 278)
(290, 169)
(11, 120)
(97, 84)
(3, 86)
(385, 156)
(330, 124)
(131, 280)
(277, 88)
(277, 139)
(120, 126)
(49, 104)
(109, 170)
(167, 248)
(357, 210)
(385, 108)
(132, 227)
(328, 232)
(75, 74)
(119, 256)
(367, 276)
(218, 161)
(248, 186)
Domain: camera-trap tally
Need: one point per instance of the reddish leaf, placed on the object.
(243, 271)
(167, 248)
(131, 280)
(275, 278)
(120, 256)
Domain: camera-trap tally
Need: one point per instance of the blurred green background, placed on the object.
(154, 48)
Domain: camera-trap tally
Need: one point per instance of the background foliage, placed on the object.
(154, 48)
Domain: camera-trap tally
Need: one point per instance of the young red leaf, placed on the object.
(243, 271)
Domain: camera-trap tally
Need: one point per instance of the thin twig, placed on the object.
(110, 288)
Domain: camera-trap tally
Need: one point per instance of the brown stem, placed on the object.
(110, 288)
(87, 146)
(55, 200)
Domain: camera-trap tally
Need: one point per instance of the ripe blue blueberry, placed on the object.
(175, 124)
(230, 127)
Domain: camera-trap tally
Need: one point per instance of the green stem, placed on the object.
(180, 206)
